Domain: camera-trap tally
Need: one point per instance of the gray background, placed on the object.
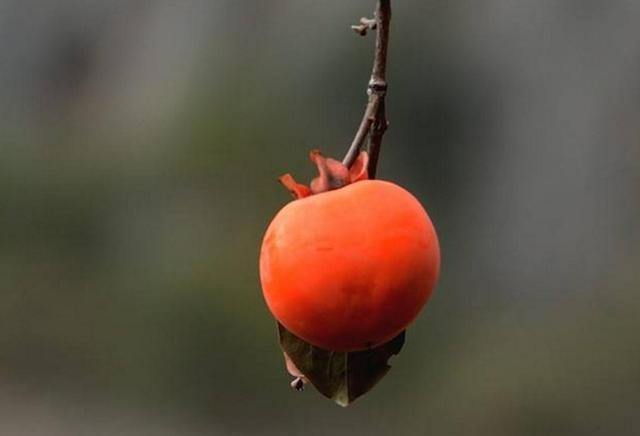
(141, 141)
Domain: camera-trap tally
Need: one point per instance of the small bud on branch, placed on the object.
(365, 25)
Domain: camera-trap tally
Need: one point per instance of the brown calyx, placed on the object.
(333, 174)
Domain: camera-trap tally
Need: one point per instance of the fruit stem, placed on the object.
(374, 122)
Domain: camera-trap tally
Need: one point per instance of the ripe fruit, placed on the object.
(350, 267)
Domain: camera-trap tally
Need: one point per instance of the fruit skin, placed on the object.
(351, 268)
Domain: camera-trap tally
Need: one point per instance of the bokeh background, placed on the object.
(140, 145)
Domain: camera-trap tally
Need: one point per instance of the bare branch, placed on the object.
(374, 122)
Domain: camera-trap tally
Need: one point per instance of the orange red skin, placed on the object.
(351, 268)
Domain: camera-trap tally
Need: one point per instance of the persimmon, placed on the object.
(351, 262)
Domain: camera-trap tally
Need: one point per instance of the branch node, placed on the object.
(377, 87)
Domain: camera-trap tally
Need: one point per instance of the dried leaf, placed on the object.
(340, 376)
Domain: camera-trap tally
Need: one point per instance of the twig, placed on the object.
(365, 25)
(374, 122)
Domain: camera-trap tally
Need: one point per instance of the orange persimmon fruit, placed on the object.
(351, 262)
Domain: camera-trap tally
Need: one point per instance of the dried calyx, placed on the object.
(333, 174)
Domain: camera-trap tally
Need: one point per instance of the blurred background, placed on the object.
(140, 145)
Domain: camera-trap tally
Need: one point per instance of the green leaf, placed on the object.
(340, 376)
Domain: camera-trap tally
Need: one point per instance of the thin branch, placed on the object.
(374, 122)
